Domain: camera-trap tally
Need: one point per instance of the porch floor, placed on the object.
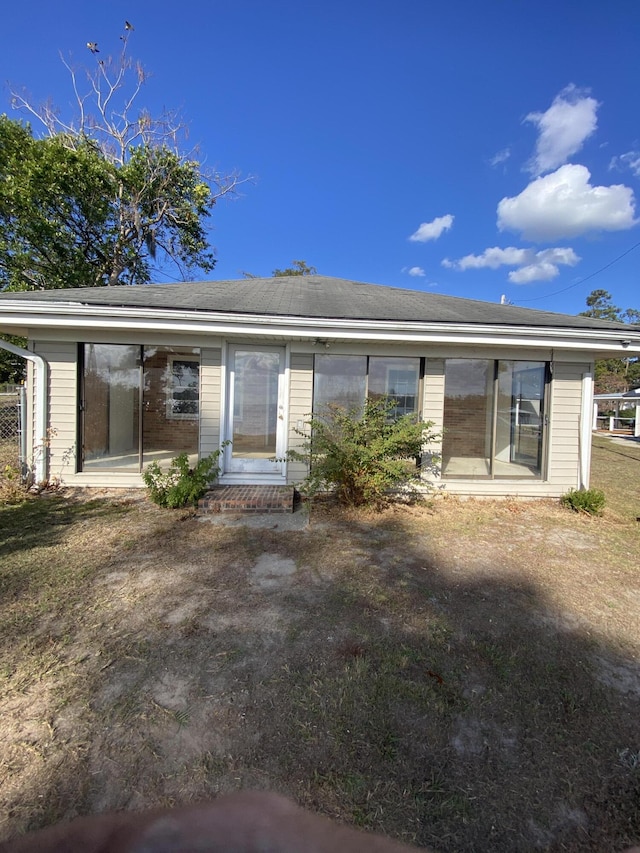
(249, 499)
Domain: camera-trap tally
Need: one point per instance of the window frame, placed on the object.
(82, 463)
(419, 393)
(172, 387)
(492, 410)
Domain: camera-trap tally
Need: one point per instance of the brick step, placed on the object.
(249, 499)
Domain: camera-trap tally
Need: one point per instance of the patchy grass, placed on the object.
(12, 489)
(463, 675)
(615, 470)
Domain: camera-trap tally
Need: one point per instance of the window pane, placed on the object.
(519, 419)
(111, 406)
(466, 443)
(185, 388)
(255, 403)
(395, 379)
(339, 380)
(171, 407)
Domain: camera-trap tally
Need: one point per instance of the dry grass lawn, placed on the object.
(464, 676)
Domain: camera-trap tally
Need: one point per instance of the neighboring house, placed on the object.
(120, 376)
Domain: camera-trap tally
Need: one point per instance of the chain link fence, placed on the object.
(12, 406)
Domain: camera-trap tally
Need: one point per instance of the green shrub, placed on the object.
(363, 453)
(584, 500)
(180, 485)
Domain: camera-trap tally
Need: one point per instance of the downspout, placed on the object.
(584, 437)
(40, 444)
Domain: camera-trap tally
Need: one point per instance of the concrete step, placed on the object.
(247, 499)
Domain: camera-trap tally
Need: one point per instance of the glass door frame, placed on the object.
(491, 415)
(252, 471)
(544, 420)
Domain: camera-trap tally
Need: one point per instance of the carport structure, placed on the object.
(614, 423)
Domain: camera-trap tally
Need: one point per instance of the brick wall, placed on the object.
(161, 432)
(465, 426)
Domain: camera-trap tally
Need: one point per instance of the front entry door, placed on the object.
(255, 422)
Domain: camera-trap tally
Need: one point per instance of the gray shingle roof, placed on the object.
(314, 297)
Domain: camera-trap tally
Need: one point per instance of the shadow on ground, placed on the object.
(362, 666)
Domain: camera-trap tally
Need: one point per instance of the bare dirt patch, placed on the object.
(464, 675)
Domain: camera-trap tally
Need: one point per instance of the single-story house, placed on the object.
(121, 376)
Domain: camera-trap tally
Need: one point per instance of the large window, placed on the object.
(138, 404)
(346, 380)
(493, 418)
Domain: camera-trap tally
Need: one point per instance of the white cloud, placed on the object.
(630, 160)
(565, 204)
(532, 265)
(543, 271)
(491, 258)
(563, 128)
(432, 230)
(500, 157)
(416, 272)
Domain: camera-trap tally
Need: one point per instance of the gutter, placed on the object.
(40, 443)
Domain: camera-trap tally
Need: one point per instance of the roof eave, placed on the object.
(107, 317)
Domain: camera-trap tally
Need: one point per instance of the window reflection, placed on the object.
(139, 404)
(493, 418)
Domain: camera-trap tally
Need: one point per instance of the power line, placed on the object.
(582, 280)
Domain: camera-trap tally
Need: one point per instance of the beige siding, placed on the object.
(63, 408)
(564, 426)
(432, 410)
(210, 388)
(300, 403)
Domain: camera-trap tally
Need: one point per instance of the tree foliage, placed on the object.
(613, 375)
(296, 268)
(600, 306)
(107, 197)
(54, 211)
(12, 367)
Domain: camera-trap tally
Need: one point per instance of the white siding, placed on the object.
(300, 403)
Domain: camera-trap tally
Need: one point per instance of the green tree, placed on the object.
(12, 367)
(613, 375)
(296, 268)
(54, 211)
(599, 305)
(106, 197)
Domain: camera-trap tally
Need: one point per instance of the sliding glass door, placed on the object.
(493, 418)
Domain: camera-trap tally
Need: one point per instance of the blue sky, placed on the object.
(470, 148)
